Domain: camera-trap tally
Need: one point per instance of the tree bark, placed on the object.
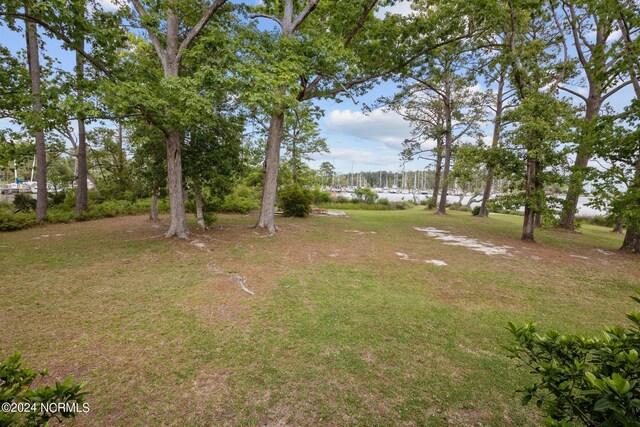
(178, 223)
(41, 149)
(568, 216)
(270, 171)
(153, 215)
(632, 240)
(199, 206)
(82, 192)
(436, 179)
(448, 140)
(632, 237)
(529, 224)
(618, 228)
(497, 125)
(537, 219)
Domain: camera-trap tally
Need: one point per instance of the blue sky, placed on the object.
(357, 141)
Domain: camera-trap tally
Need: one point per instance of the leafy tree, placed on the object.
(332, 48)
(600, 60)
(439, 101)
(617, 186)
(172, 29)
(327, 171)
(542, 123)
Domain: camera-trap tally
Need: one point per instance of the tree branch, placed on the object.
(304, 14)
(361, 21)
(264, 15)
(154, 38)
(61, 36)
(584, 98)
(193, 33)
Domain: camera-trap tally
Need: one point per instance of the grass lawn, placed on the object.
(341, 330)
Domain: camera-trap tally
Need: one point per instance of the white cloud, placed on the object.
(379, 126)
(109, 4)
(400, 8)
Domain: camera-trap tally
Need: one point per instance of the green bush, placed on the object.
(16, 389)
(595, 381)
(365, 195)
(24, 203)
(241, 200)
(58, 198)
(60, 214)
(383, 201)
(295, 201)
(475, 211)
(17, 221)
(321, 196)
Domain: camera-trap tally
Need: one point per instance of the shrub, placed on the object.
(321, 196)
(365, 195)
(24, 202)
(344, 199)
(58, 198)
(475, 211)
(16, 389)
(295, 201)
(242, 199)
(592, 380)
(17, 221)
(383, 201)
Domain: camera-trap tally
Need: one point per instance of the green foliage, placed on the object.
(295, 201)
(15, 221)
(366, 195)
(242, 199)
(24, 203)
(592, 380)
(16, 384)
(321, 196)
(475, 211)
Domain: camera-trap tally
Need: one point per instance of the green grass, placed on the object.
(340, 331)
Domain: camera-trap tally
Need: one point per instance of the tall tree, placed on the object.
(532, 53)
(171, 35)
(598, 60)
(439, 100)
(33, 57)
(82, 192)
(333, 49)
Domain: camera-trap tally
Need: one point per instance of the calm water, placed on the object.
(583, 209)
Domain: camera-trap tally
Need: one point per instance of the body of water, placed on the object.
(583, 209)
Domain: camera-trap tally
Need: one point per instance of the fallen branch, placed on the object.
(242, 282)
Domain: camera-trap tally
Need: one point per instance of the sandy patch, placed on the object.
(475, 245)
(435, 262)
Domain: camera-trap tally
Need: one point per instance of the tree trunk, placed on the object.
(618, 227)
(537, 219)
(632, 237)
(529, 225)
(41, 149)
(436, 179)
(271, 165)
(153, 216)
(199, 211)
(568, 216)
(442, 209)
(632, 240)
(82, 192)
(497, 125)
(178, 224)
(294, 160)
